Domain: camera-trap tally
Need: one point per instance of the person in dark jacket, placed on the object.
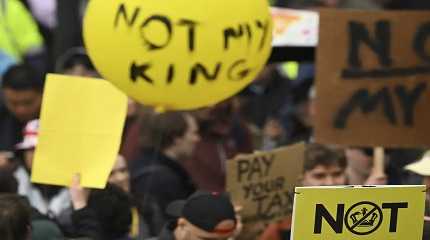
(158, 176)
(14, 218)
(100, 214)
(42, 228)
(22, 97)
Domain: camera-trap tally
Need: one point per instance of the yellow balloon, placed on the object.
(179, 54)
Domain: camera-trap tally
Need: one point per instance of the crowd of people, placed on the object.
(169, 178)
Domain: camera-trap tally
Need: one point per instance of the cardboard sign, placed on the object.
(180, 54)
(365, 213)
(373, 78)
(80, 131)
(294, 27)
(262, 183)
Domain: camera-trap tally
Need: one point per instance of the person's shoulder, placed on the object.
(3, 110)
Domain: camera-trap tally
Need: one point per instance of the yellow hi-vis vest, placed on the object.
(19, 34)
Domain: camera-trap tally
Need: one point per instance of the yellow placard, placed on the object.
(180, 54)
(80, 131)
(365, 213)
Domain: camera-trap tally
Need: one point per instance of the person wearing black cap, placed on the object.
(203, 215)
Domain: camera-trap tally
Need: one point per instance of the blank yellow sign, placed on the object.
(80, 131)
(365, 213)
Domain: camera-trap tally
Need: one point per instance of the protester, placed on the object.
(158, 175)
(360, 165)
(42, 227)
(203, 215)
(76, 62)
(21, 40)
(14, 218)
(22, 96)
(120, 177)
(223, 136)
(8, 183)
(47, 199)
(101, 214)
(265, 96)
(323, 166)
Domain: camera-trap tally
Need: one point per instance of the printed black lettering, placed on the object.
(321, 212)
(394, 207)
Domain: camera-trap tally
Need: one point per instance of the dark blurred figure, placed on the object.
(408, 5)
(14, 218)
(100, 214)
(42, 227)
(223, 136)
(265, 96)
(76, 62)
(298, 113)
(22, 96)
(158, 174)
(351, 4)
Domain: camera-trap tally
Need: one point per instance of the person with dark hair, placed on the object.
(14, 218)
(203, 215)
(47, 199)
(298, 113)
(223, 135)
(8, 183)
(120, 177)
(158, 174)
(22, 96)
(42, 227)
(21, 92)
(76, 62)
(323, 166)
(101, 214)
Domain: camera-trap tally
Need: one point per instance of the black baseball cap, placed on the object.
(205, 210)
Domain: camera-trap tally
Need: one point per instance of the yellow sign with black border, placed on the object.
(365, 213)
